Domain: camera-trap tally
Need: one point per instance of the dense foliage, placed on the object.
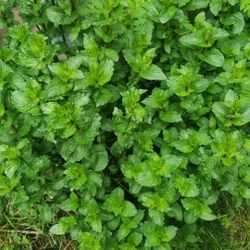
(122, 122)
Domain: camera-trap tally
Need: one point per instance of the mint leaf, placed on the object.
(153, 72)
(170, 116)
(213, 57)
(58, 229)
(168, 233)
(106, 69)
(100, 157)
(191, 39)
(215, 6)
(54, 15)
(169, 13)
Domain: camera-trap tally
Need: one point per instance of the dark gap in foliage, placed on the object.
(174, 99)
(110, 139)
(42, 146)
(149, 86)
(109, 108)
(190, 122)
(156, 149)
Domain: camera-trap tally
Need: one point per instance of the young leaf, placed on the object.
(153, 72)
(106, 69)
(215, 6)
(213, 57)
(100, 157)
(170, 116)
(58, 229)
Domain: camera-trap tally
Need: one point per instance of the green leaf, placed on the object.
(88, 241)
(58, 229)
(231, 96)
(245, 6)
(55, 89)
(219, 110)
(170, 116)
(148, 179)
(100, 157)
(129, 209)
(183, 146)
(148, 58)
(153, 72)
(168, 14)
(187, 186)
(157, 216)
(213, 57)
(115, 203)
(245, 192)
(111, 54)
(206, 214)
(168, 233)
(22, 102)
(215, 6)
(75, 61)
(75, 175)
(198, 209)
(74, 32)
(195, 5)
(70, 204)
(190, 40)
(158, 99)
(102, 97)
(135, 238)
(237, 21)
(54, 15)
(96, 224)
(106, 70)
(73, 151)
(122, 232)
(6, 185)
(66, 71)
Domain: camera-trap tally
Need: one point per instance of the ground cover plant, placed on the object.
(123, 123)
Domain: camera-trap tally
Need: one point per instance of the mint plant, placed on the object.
(123, 122)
